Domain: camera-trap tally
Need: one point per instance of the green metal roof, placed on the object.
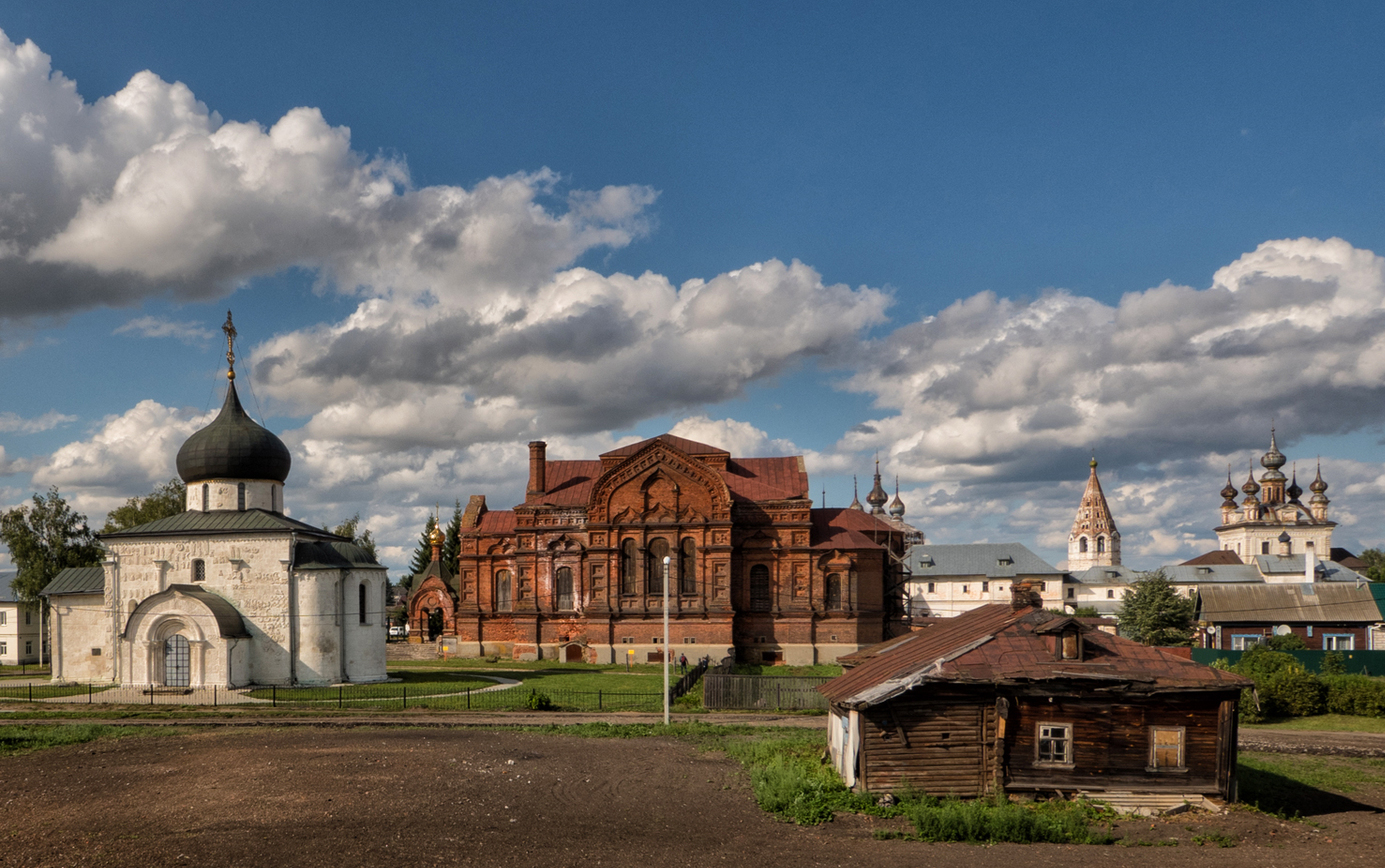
(76, 580)
(332, 555)
(221, 521)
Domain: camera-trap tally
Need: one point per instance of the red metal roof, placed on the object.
(682, 444)
(997, 643)
(570, 483)
(843, 528)
(1213, 558)
(500, 521)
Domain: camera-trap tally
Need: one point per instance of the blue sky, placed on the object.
(925, 232)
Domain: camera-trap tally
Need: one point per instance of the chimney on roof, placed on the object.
(1022, 595)
(1310, 565)
(538, 456)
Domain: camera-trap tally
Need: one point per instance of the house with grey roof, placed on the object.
(947, 580)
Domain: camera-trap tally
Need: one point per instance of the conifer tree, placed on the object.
(452, 546)
(1153, 613)
(423, 554)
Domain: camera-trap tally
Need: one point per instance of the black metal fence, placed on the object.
(382, 697)
(689, 680)
(722, 691)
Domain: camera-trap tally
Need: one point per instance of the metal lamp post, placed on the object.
(666, 645)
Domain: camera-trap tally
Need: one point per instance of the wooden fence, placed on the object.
(722, 691)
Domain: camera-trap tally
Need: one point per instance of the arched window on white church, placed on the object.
(1082, 544)
(1100, 544)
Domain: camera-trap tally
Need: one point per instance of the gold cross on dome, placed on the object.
(230, 329)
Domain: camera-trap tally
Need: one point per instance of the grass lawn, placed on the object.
(1325, 723)
(22, 739)
(418, 683)
(47, 691)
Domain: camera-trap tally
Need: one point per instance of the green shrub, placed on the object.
(1294, 693)
(1333, 663)
(539, 701)
(1288, 642)
(1355, 694)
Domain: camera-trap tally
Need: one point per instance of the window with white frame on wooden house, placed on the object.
(1054, 744)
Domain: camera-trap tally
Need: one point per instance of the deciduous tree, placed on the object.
(168, 499)
(44, 538)
(1153, 613)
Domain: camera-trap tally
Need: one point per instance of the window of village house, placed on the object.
(833, 591)
(1054, 744)
(985, 587)
(4, 648)
(1072, 592)
(687, 566)
(503, 601)
(627, 567)
(2, 618)
(240, 496)
(1338, 642)
(562, 586)
(654, 566)
(199, 570)
(360, 603)
(1166, 748)
(760, 598)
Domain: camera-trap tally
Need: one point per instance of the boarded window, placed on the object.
(687, 566)
(760, 599)
(654, 566)
(1166, 747)
(504, 600)
(627, 567)
(240, 496)
(563, 588)
(1055, 743)
(833, 595)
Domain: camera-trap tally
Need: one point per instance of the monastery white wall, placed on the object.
(364, 632)
(951, 596)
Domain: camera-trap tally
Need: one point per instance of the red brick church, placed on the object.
(576, 572)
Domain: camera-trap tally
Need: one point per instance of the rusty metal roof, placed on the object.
(998, 644)
(1301, 603)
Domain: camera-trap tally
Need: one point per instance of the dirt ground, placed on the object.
(307, 796)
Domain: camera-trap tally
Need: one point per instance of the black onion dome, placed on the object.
(234, 446)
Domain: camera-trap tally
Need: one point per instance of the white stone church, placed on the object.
(230, 592)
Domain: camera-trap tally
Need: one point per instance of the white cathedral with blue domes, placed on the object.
(230, 592)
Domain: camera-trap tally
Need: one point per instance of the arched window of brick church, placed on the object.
(504, 602)
(654, 566)
(833, 591)
(360, 603)
(687, 566)
(1100, 544)
(759, 588)
(627, 567)
(240, 496)
(1082, 544)
(204, 497)
(562, 583)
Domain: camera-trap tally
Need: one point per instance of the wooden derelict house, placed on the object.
(1015, 699)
